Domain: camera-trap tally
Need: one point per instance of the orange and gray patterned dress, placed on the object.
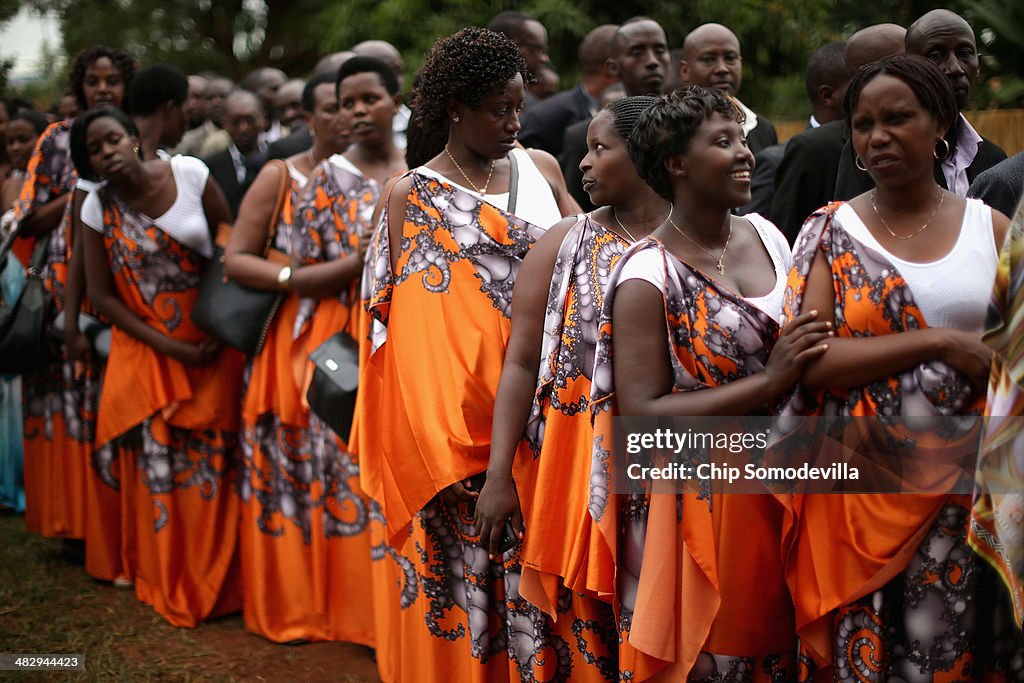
(175, 428)
(701, 591)
(884, 584)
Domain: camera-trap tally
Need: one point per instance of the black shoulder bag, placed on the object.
(332, 391)
(231, 313)
(25, 343)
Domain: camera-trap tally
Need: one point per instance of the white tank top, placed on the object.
(535, 202)
(953, 291)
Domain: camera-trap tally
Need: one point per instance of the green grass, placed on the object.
(49, 605)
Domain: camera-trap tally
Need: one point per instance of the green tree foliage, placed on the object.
(777, 36)
(1000, 24)
(226, 36)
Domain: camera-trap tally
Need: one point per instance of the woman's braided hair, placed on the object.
(626, 111)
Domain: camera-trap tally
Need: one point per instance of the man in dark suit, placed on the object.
(1001, 186)
(825, 79)
(236, 167)
(640, 59)
(947, 40)
(544, 123)
(712, 58)
(807, 174)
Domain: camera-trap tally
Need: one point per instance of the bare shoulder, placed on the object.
(544, 161)
(1000, 227)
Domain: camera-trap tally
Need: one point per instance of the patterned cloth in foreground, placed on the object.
(997, 521)
(883, 584)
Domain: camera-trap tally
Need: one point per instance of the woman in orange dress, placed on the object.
(884, 585)
(541, 414)
(174, 417)
(333, 224)
(691, 328)
(280, 494)
(438, 283)
(59, 402)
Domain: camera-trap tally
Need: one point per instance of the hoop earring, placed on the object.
(859, 163)
(948, 151)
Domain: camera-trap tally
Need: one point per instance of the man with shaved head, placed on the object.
(873, 43)
(329, 64)
(236, 167)
(289, 104)
(544, 123)
(712, 58)
(947, 40)
(640, 59)
(214, 91)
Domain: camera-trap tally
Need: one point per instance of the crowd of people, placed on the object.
(638, 245)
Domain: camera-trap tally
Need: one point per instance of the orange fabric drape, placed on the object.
(177, 427)
(697, 572)
(844, 547)
(433, 354)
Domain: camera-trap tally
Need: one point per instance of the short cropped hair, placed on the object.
(826, 67)
(359, 65)
(926, 80)
(665, 129)
(156, 85)
(309, 90)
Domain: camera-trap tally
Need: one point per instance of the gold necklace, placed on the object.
(615, 215)
(720, 265)
(942, 197)
(478, 190)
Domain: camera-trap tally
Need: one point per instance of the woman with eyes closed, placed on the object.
(545, 419)
(282, 537)
(438, 286)
(174, 416)
(691, 327)
(899, 594)
(60, 401)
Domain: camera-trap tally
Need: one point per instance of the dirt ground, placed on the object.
(49, 605)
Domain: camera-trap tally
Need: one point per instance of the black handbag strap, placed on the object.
(282, 194)
(35, 264)
(513, 182)
(38, 259)
(5, 247)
